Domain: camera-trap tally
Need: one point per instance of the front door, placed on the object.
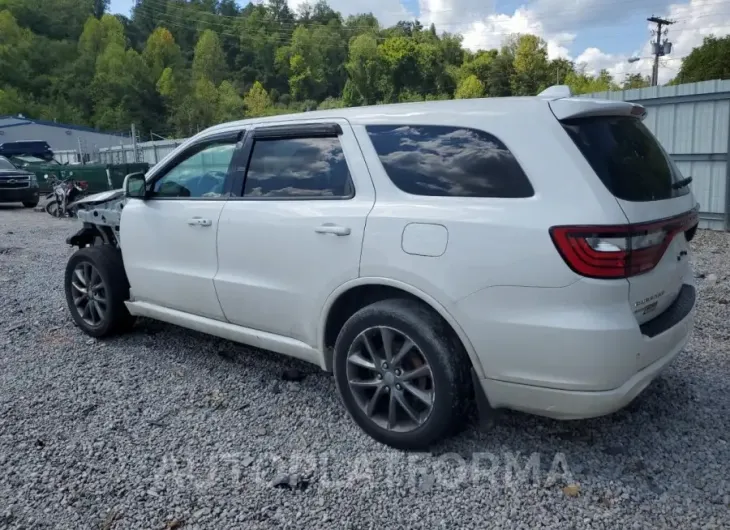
(168, 240)
(294, 233)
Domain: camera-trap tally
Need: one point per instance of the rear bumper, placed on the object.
(566, 404)
(19, 195)
(573, 352)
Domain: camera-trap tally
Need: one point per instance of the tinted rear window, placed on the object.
(626, 157)
(448, 161)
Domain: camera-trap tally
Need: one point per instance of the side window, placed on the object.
(298, 168)
(201, 174)
(448, 161)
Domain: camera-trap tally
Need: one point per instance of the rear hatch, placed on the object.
(654, 196)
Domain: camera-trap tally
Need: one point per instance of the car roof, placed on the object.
(431, 112)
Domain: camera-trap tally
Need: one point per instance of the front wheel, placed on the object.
(96, 288)
(53, 209)
(402, 374)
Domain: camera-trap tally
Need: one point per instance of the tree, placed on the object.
(209, 62)
(257, 101)
(100, 7)
(161, 52)
(709, 61)
(470, 87)
(230, 104)
(15, 46)
(582, 83)
(364, 70)
(530, 66)
(399, 56)
(635, 81)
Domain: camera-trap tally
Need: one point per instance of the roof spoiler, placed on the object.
(556, 92)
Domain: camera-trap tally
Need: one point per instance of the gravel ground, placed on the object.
(166, 428)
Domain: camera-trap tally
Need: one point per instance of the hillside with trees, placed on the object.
(177, 66)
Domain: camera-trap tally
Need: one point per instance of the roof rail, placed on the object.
(556, 92)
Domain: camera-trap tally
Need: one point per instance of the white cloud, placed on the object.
(558, 21)
(489, 30)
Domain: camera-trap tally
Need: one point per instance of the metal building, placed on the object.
(59, 136)
(692, 121)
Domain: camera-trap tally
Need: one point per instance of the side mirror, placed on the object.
(135, 186)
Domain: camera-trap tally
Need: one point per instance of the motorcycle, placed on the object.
(65, 192)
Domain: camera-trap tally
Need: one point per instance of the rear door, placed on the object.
(651, 192)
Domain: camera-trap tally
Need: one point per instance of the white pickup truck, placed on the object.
(431, 255)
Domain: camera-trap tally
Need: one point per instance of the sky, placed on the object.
(596, 33)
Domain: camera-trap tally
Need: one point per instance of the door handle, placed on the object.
(199, 221)
(333, 229)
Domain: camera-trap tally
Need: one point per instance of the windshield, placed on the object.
(5, 164)
(30, 159)
(626, 157)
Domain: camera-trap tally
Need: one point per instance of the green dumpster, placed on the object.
(99, 177)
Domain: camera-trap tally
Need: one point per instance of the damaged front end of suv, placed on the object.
(101, 214)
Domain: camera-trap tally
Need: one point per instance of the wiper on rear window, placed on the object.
(681, 183)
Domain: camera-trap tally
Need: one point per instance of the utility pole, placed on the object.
(134, 142)
(660, 49)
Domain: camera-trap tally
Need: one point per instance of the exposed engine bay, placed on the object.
(101, 214)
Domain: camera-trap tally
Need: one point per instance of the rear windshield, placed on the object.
(626, 157)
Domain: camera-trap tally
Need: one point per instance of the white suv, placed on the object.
(524, 253)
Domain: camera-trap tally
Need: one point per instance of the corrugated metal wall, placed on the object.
(692, 121)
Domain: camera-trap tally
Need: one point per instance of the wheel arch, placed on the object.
(331, 321)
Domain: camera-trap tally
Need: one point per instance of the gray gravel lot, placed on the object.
(167, 428)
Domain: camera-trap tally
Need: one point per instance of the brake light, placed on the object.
(619, 251)
(83, 184)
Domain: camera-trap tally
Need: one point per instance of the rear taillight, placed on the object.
(619, 251)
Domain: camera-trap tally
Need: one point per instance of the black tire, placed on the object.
(107, 260)
(53, 209)
(30, 204)
(442, 350)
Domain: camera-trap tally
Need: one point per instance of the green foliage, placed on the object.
(331, 103)
(530, 66)
(161, 52)
(706, 62)
(209, 63)
(470, 87)
(257, 101)
(635, 81)
(177, 66)
(582, 83)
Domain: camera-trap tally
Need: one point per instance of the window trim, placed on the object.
(223, 138)
(242, 158)
(374, 126)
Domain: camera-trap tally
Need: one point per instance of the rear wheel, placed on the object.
(96, 289)
(401, 373)
(30, 204)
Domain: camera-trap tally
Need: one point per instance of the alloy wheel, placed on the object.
(89, 294)
(391, 379)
